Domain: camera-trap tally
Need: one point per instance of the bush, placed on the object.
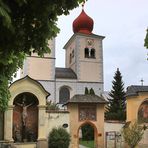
(52, 106)
(133, 134)
(58, 138)
(121, 116)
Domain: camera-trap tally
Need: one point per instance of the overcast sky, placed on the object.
(124, 24)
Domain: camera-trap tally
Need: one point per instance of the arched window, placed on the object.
(143, 112)
(64, 95)
(92, 53)
(86, 53)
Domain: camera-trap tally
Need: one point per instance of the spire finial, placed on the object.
(83, 4)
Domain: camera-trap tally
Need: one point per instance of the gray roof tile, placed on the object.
(134, 89)
(65, 73)
(87, 99)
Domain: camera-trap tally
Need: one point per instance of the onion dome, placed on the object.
(83, 24)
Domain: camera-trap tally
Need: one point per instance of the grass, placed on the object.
(89, 144)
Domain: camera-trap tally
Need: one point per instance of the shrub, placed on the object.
(133, 134)
(58, 138)
(52, 106)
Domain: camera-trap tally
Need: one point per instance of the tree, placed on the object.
(52, 106)
(25, 27)
(133, 134)
(116, 107)
(92, 91)
(146, 40)
(89, 91)
(58, 138)
(86, 91)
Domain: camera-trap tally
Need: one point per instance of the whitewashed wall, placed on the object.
(56, 119)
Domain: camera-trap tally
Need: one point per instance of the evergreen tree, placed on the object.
(115, 110)
(86, 91)
(89, 91)
(92, 91)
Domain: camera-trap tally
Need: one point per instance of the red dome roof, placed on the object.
(83, 24)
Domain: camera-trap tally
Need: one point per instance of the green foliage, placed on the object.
(115, 110)
(87, 132)
(25, 27)
(86, 91)
(133, 134)
(146, 40)
(52, 106)
(92, 91)
(89, 92)
(88, 144)
(58, 138)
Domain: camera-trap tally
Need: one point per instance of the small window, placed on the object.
(92, 53)
(86, 53)
(64, 95)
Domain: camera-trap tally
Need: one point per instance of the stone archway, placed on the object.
(87, 134)
(30, 87)
(143, 112)
(25, 118)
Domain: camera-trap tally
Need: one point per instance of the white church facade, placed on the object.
(83, 66)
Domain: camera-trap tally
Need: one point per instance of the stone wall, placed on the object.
(112, 134)
(56, 119)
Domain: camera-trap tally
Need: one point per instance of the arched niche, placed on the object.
(29, 85)
(143, 112)
(25, 118)
(32, 89)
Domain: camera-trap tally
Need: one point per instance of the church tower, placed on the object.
(84, 51)
(41, 68)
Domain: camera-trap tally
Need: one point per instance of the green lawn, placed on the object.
(89, 144)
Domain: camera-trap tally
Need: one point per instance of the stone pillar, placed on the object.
(8, 124)
(42, 139)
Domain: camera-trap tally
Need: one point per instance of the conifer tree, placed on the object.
(115, 110)
(92, 91)
(86, 91)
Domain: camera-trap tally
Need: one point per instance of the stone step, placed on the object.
(25, 145)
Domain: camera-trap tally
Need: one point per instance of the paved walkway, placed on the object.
(81, 146)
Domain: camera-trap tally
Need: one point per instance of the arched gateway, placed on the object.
(86, 109)
(25, 117)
